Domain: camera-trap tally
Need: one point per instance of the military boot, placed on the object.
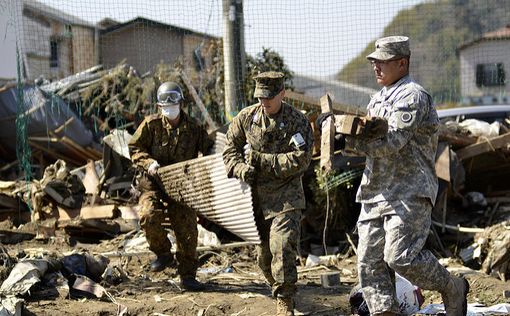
(191, 284)
(284, 306)
(161, 262)
(455, 296)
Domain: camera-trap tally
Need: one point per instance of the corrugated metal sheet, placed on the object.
(202, 183)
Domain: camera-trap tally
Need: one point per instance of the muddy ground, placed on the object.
(238, 290)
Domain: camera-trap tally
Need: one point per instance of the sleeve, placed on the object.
(288, 164)
(233, 155)
(403, 122)
(139, 146)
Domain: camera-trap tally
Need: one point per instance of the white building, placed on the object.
(484, 64)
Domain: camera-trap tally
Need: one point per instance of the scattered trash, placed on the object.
(409, 298)
(11, 306)
(472, 310)
(24, 275)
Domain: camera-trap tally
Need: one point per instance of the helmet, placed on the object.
(169, 93)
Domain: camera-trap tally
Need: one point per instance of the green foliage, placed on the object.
(121, 94)
(335, 179)
(436, 29)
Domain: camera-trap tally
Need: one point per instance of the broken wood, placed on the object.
(327, 135)
(53, 153)
(443, 164)
(468, 230)
(487, 145)
(349, 124)
(89, 212)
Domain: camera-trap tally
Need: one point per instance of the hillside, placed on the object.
(436, 29)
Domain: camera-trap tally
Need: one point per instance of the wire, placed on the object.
(326, 222)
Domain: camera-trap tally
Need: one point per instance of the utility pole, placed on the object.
(234, 57)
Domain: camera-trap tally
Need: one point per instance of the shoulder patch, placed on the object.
(405, 119)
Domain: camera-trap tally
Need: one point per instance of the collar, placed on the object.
(388, 91)
(258, 115)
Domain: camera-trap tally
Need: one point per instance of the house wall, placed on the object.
(485, 52)
(36, 40)
(76, 50)
(143, 46)
(83, 48)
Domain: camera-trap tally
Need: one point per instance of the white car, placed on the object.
(487, 113)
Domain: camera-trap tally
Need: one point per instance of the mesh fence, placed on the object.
(105, 59)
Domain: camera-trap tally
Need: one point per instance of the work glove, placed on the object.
(153, 168)
(254, 158)
(246, 173)
(375, 127)
(321, 118)
(247, 151)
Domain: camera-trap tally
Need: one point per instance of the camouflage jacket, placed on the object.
(156, 139)
(401, 164)
(283, 161)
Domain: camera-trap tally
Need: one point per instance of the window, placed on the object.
(489, 75)
(53, 54)
(198, 58)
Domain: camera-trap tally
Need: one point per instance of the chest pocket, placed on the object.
(270, 140)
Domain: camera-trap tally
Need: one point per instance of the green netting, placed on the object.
(105, 59)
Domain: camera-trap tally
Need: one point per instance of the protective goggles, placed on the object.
(173, 97)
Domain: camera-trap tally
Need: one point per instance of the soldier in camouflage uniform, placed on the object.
(165, 138)
(269, 146)
(399, 187)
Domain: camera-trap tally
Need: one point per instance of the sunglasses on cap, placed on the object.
(170, 97)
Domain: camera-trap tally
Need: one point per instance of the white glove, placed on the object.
(153, 168)
(247, 151)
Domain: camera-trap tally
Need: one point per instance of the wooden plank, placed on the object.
(349, 124)
(443, 164)
(486, 145)
(327, 135)
(89, 212)
(54, 154)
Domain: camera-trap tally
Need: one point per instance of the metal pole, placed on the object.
(234, 58)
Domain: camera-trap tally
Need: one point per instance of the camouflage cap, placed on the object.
(268, 84)
(387, 48)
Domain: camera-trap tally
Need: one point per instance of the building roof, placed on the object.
(148, 22)
(55, 14)
(499, 34)
(107, 23)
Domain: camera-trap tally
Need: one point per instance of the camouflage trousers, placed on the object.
(276, 254)
(184, 224)
(394, 243)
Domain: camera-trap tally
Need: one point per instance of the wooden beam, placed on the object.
(486, 145)
(53, 153)
(327, 135)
